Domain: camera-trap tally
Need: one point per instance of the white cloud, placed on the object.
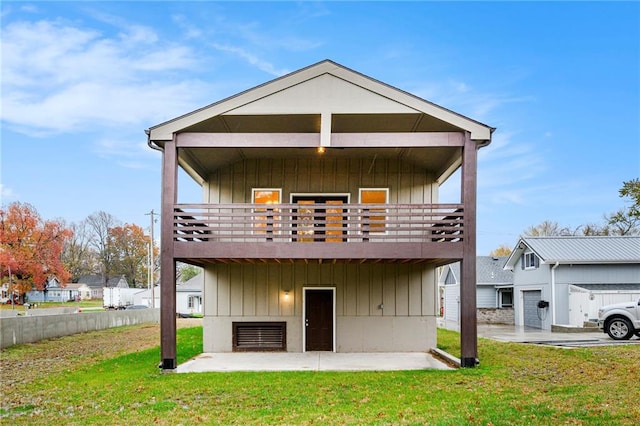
(58, 77)
(251, 59)
(464, 98)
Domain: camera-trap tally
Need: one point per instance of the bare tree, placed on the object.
(78, 256)
(547, 229)
(99, 225)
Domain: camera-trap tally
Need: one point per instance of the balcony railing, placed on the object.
(332, 223)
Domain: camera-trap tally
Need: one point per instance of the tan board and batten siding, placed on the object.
(378, 307)
(406, 183)
(395, 303)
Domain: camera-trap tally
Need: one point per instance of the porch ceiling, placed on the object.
(204, 161)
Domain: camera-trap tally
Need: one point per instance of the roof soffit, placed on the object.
(315, 79)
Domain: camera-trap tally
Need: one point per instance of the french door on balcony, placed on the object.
(320, 224)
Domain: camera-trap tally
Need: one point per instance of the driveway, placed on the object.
(510, 333)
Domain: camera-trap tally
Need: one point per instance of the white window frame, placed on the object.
(276, 219)
(529, 260)
(501, 293)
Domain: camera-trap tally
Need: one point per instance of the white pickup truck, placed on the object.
(620, 320)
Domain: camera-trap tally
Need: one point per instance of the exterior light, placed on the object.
(286, 294)
(321, 149)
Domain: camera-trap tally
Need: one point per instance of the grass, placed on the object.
(44, 305)
(515, 384)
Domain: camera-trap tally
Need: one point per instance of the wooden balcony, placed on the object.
(204, 233)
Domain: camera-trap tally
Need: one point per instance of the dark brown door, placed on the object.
(319, 320)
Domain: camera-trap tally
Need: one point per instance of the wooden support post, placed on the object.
(468, 314)
(167, 261)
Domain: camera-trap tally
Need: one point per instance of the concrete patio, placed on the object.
(310, 361)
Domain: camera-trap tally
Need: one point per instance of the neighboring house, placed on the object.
(320, 227)
(564, 280)
(494, 292)
(97, 282)
(54, 291)
(146, 296)
(82, 291)
(189, 295)
(4, 293)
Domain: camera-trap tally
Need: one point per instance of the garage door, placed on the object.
(530, 308)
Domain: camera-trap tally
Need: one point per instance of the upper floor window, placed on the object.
(530, 261)
(376, 222)
(268, 196)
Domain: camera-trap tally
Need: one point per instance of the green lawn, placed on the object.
(515, 384)
(44, 305)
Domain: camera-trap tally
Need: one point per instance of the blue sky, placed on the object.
(81, 81)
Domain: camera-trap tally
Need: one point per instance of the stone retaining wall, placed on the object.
(29, 329)
(496, 316)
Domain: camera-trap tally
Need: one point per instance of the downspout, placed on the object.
(151, 144)
(553, 292)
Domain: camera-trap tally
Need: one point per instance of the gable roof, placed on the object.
(97, 281)
(579, 249)
(195, 283)
(322, 88)
(489, 271)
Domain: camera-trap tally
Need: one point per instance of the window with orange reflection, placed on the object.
(265, 224)
(375, 221)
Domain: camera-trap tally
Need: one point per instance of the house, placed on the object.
(564, 280)
(4, 293)
(494, 292)
(148, 297)
(96, 282)
(320, 227)
(189, 296)
(53, 291)
(82, 291)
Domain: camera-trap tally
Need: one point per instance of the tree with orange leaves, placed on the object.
(129, 248)
(30, 248)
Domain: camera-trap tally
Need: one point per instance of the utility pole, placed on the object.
(11, 288)
(152, 261)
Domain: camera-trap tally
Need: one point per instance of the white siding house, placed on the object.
(564, 280)
(189, 296)
(494, 292)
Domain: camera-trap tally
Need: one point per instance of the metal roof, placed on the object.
(609, 287)
(580, 249)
